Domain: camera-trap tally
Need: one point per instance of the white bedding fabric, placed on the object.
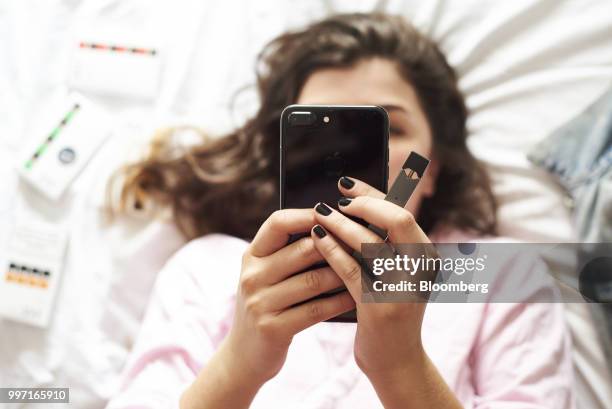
(526, 67)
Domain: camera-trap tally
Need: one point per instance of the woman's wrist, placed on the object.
(412, 365)
(234, 372)
(416, 384)
(222, 383)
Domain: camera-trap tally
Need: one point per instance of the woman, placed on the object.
(223, 316)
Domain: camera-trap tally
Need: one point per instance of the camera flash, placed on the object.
(326, 119)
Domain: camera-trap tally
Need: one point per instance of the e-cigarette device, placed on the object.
(404, 185)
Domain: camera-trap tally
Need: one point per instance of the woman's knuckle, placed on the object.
(305, 247)
(332, 247)
(278, 218)
(315, 311)
(266, 327)
(253, 305)
(249, 282)
(353, 272)
(313, 280)
(404, 219)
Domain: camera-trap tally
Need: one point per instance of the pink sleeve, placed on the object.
(187, 317)
(522, 357)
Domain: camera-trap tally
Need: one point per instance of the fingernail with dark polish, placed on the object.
(323, 209)
(319, 231)
(346, 182)
(344, 201)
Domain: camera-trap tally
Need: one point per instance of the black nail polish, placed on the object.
(346, 182)
(344, 201)
(319, 231)
(323, 209)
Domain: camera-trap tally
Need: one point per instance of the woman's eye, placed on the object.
(396, 131)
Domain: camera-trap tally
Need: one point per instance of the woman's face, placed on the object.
(377, 82)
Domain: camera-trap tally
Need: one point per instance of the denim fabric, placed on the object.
(580, 154)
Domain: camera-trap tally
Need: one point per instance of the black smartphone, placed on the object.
(321, 143)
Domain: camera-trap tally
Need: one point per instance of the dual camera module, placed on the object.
(305, 118)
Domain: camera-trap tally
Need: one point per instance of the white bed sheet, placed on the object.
(526, 67)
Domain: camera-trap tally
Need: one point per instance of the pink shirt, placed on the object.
(491, 355)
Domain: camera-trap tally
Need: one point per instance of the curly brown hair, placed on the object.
(230, 184)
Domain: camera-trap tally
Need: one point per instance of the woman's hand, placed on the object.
(265, 319)
(388, 346)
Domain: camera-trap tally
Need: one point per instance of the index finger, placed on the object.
(275, 231)
(353, 187)
(397, 221)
